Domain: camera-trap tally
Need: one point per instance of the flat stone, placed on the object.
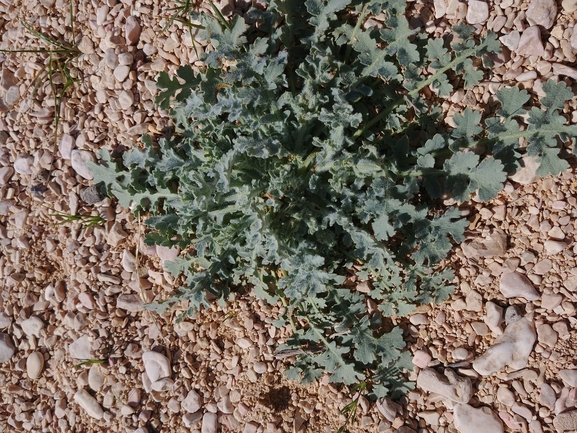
(192, 403)
(515, 285)
(130, 302)
(561, 69)
(88, 403)
(460, 354)
(66, 145)
(5, 320)
(189, 419)
(474, 301)
(78, 160)
(522, 410)
(569, 377)
(566, 420)
(260, 367)
(80, 348)
(440, 8)
(551, 301)
(554, 247)
(116, 234)
(511, 40)
(421, 359)
(102, 14)
(542, 13)
(7, 348)
(166, 254)
(569, 6)
(449, 385)
(125, 99)
(95, 377)
(388, 408)
(511, 349)
(542, 267)
(225, 405)
(34, 365)
(546, 335)
(32, 326)
(209, 423)
(132, 31)
(477, 12)
(480, 328)
(111, 60)
(509, 420)
(505, 396)
(494, 317)
(419, 319)
(125, 59)
(468, 419)
(23, 164)
(573, 40)
(547, 396)
(526, 76)
(90, 195)
(530, 43)
(7, 79)
(5, 175)
(512, 314)
(494, 245)
(156, 365)
(128, 261)
(121, 72)
(86, 46)
(528, 172)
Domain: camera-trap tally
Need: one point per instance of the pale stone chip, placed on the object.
(530, 43)
(88, 403)
(511, 349)
(542, 13)
(468, 419)
(477, 12)
(78, 160)
(7, 348)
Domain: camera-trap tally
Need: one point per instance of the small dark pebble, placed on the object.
(38, 190)
(90, 195)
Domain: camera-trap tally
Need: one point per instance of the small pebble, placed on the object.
(34, 365)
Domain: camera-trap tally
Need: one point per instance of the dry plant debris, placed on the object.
(72, 293)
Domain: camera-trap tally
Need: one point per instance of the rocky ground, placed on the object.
(79, 354)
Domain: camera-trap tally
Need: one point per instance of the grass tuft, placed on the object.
(60, 56)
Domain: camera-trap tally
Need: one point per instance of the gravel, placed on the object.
(74, 293)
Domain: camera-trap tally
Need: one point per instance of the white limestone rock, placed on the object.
(88, 403)
(542, 13)
(80, 348)
(32, 326)
(511, 40)
(95, 377)
(34, 365)
(451, 385)
(78, 160)
(192, 403)
(569, 377)
(209, 423)
(494, 245)
(530, 43)
(494, 317)
(512, 349)
(477, 12)
(7, 348)
(156, 366)
(515, 285)
(468, 419)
